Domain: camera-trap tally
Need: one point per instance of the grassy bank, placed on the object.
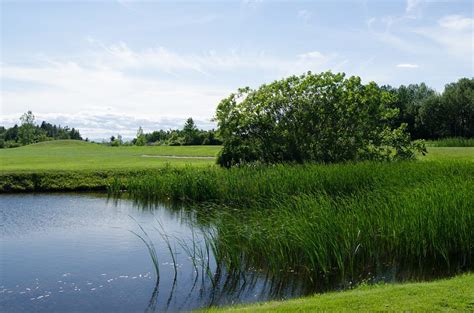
(455, 295)
(65, 165)
(75, 165)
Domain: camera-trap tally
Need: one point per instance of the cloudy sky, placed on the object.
(107, 67)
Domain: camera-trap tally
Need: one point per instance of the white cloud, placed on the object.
(412, 5)
(457, 22)
(156, 82)
(454, 33)
(407, 65)
(102, 126)
(120, 56)
(305, 15)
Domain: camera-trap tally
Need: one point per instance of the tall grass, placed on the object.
(430, 225)
(451, 142)
(256, 186)
(322, 220)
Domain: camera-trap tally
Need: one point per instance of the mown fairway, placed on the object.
(453, 295)
(79, 155)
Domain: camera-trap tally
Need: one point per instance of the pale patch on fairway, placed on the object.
(178, 157)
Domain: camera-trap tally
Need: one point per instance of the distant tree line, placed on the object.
(431, 115)
(28, 132)
(188, 135)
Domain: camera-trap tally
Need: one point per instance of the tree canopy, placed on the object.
(28, 132)
(313, 117)
(430, 115)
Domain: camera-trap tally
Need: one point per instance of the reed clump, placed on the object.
(317, 220)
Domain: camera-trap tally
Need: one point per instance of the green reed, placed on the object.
(317, 220)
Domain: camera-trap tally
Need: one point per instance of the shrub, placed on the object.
(313, 117)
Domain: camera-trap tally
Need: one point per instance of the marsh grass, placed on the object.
(323, 221)
(145, 238)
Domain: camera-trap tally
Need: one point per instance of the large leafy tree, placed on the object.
(313, 117)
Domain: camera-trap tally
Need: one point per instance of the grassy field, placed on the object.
(453, 295)
(78, 155)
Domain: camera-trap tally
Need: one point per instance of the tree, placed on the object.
(458, 102)
(190, 133)
(26, 132)
(409, 100)
(320, 118)
(141, 139)
(115, 142)
(450, 114)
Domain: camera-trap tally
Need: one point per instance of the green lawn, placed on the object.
(449, 153)
(78, 155)
(455, 295)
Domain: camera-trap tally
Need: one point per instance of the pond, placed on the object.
(78, 252)
(75, 252)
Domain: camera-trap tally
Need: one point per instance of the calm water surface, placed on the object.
(76, 253)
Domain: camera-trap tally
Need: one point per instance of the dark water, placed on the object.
(75, 253)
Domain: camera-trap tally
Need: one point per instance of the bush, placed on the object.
(313, 117)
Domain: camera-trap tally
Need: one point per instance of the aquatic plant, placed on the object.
(320, 221)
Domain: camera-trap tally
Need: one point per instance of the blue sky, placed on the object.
(108, 67)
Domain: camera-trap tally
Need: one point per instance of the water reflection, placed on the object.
(77, 252)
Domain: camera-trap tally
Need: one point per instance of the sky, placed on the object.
(108, 67)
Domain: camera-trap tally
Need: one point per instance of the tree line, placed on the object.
(188, 135)
(28, 132)
(432, 115)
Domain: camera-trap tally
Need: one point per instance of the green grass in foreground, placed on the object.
(79, 155)
(456, 294)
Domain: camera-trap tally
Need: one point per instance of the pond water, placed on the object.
(77, 253)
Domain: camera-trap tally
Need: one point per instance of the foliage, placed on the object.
(116, 142)
(188, 135)
(140, 140)
(323, 118)
(430, 115)
(28, 132)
